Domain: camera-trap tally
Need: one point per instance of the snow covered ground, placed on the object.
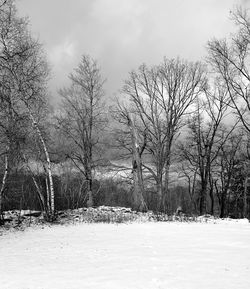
(139, 255)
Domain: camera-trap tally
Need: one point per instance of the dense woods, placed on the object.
(177, 135)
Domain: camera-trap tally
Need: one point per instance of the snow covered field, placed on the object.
(139, 255)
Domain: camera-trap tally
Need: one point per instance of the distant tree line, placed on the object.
(176, 136)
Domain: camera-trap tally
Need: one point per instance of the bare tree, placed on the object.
(24, 72)
(189, 174)
(161, 96)
(226, 163)
(229, 60)
(82, 119)
(12, 137)
(203, 144)
(10, 121)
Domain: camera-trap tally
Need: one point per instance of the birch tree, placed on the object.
(24, 69)
(11, 122)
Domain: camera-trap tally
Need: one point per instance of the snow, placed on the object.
(127, 256)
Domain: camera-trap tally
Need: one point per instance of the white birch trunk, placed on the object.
(48, 194)
(39, 193)
(51, 187)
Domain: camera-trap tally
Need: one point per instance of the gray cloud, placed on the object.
(122, 34)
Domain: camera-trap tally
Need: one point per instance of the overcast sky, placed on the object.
(122, 34)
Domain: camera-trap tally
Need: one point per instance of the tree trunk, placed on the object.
(3, 184)
(159, 194)
(47, 195)
(166, 201)
(222, 204)
(51, 186)
(90, 201)
(245, 215)
(138, 190)
(138, 199)
(211, 194)
(203, 193)
(192, 193)
(40, 195)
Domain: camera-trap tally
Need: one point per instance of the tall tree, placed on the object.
(24, 75)
(161, 96)
(82, 119)
(230, 60)
(226, 165)
(202, 145)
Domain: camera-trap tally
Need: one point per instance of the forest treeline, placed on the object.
(177, 134)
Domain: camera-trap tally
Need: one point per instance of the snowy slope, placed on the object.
(145, 256)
